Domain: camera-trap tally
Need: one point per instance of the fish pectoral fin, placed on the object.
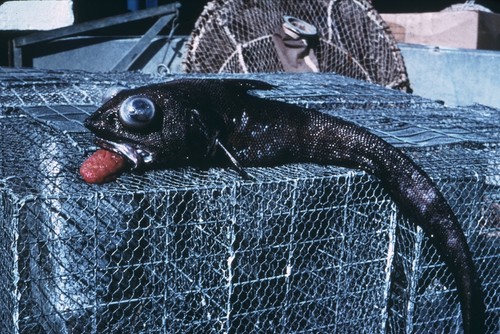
(209, 136)
(234, 163)
(203, 139)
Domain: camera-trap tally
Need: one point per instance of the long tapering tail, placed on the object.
(334, 141)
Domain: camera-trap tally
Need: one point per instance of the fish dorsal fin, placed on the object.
(244, 85)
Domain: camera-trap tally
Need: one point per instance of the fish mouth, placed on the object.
(138, 157)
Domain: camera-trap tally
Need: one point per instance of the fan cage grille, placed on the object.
(234, 36)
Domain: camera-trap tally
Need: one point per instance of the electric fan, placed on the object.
(347, 37)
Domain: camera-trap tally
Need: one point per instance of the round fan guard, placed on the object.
(235, 36)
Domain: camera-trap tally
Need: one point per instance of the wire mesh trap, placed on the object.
(346, 37)
(303, 248)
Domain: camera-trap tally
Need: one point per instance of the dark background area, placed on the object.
(91, 9)
(87, 10)
(409, 6)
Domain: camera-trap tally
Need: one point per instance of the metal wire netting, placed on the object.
(303, 248)
(234, 36)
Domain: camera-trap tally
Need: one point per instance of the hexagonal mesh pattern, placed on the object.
(236, 36)
(303, 248)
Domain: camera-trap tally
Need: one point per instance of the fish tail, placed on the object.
(448, 238)
(330, 140)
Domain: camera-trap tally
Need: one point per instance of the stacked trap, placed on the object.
(303, 248)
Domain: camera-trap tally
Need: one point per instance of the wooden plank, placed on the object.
(461, 29)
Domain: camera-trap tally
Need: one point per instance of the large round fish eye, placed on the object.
(137, 111)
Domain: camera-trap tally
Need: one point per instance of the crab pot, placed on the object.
(300, 248)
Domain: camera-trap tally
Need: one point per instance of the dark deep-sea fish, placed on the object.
(215, 122)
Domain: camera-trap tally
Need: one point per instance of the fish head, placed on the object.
(148, 125)
(171, 124)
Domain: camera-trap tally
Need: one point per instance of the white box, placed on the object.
(36, 15)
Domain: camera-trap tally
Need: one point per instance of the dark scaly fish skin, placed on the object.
(200, 119)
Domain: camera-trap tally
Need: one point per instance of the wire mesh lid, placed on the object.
(237, 36)
(45, 139)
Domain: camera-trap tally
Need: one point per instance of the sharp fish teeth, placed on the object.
(137, 157)
(147, 157)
